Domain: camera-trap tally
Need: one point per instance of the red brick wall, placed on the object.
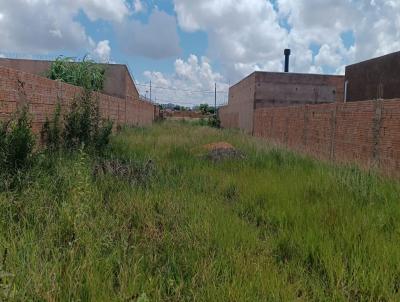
(184, 114)
(240, 109)
(41, 95)
(366, 133)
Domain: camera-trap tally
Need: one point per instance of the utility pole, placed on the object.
(150, 90)
(215, 100)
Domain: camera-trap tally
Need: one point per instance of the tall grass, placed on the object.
(271, 227)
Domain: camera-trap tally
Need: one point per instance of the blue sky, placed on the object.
(188, 45)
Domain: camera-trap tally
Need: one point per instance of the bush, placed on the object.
(83, 125)
(103, 136)
(16, 142)
(86, 73)
(214, 121)
(51, 132)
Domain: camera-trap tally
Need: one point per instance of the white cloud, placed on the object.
(248, 35)
(114, 10)
(244, 35)
(138, 6)
(191, 83)
(156, 39)
(102, 52)
(43, 26)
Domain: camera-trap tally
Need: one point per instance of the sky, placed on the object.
(185, 46)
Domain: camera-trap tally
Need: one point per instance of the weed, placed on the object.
(83, 125)
(85, 73)
(51, 132)
(16, 143)
(272, 227)
(214, 121)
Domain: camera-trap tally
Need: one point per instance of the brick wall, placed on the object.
(374, 79)
(366, 133)
(240, 110)
(229, 118)
(40, 94)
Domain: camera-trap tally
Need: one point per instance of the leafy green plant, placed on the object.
(83, 125)
(16, 142)
(102, 138)
(85, 73)
(214, 121)
(51, 132)
(206, 109)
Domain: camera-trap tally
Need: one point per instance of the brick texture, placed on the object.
(41, 95)
(366, 132)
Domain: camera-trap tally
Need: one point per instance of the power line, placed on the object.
(183, 90)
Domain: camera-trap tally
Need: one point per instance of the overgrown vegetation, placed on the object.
(214, 121)
(85, 73)
(84, 126)
(154, 220)
(206, 109)
(52, 130)
(16, 146)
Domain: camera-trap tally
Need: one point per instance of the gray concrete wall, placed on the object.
(377, 78)
(118, 81)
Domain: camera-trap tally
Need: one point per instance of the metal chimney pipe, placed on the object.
(287, 54)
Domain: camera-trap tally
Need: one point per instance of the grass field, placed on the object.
(271, 227)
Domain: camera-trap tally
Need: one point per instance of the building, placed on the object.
(272, 89)
(118, 80)
(377, 78)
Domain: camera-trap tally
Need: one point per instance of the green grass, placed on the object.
(272, 227)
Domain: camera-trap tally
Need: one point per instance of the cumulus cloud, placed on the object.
(42, 26)
(114, 10)
(156, 39)
(248, 35)
(102, 51)
(191, 83)
(244, 35)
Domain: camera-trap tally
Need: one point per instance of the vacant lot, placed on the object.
(155, 220)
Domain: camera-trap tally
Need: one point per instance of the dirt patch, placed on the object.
(221, 151)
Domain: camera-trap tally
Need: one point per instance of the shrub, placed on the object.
(86, 73)
(83, 124)
(16, 142)
(51, 132)
(103, 136)
(214, 121)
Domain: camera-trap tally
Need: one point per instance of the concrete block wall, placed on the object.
(41, 96)
(366, 132)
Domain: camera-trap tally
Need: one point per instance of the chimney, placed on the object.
(287, 54)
